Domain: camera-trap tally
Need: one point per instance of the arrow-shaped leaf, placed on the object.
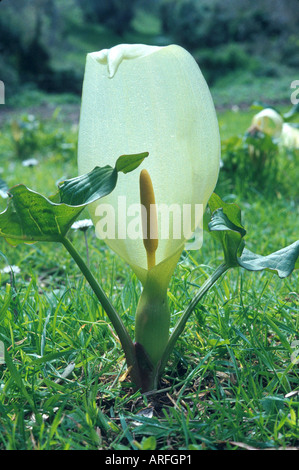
(225, 225)
(30, 216)
(282, 261)
(99, 182)
(229, 235)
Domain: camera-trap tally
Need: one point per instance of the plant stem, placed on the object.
(115, 319)
(87, 249)
(179, 327)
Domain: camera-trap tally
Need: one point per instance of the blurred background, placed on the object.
(247, 50)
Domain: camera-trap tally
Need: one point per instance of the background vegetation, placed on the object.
(231, 382)
(43, 44)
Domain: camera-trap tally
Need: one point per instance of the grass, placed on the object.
(243, 88)
(230, 383)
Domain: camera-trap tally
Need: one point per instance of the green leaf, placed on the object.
(148, 443)
(231, 210)
(229, 235)
(87, 188)
(225, 225)
(283, 261)
(127, 163)
(31, 217)
(99, 182)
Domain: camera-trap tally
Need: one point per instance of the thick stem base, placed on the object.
(152, 321)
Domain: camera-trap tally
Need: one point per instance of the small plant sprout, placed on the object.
(152, 106)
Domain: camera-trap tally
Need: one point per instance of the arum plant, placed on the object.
(138, 97)
(135, 95)
(270, 122)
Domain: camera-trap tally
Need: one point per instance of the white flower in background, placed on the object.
(30, 162)
(10, 270)
(82, 225)
(271, 123)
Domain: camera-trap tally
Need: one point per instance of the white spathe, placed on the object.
(290, 136)
(270, 122)
(138, 98)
